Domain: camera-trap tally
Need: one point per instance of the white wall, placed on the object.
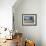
(6, 13)
(28, 7)
(43, 22)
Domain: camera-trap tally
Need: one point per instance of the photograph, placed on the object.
(29, 19)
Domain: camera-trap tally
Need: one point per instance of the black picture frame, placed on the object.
(29, 19)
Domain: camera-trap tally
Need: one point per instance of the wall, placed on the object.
(6, 13)
(28, 7)
(43, 22)
(6, 16)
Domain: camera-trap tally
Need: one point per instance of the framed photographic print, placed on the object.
(29, 19)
